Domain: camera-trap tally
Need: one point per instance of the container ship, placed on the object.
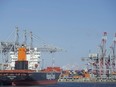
(21, 65)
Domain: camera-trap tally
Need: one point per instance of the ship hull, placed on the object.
(32, 78)
(38, 78)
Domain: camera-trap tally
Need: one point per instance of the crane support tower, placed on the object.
(103, 63)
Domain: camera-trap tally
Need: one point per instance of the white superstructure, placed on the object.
(32, 56)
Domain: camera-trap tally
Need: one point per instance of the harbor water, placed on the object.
(76, 84)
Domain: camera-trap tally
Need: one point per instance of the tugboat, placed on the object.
(23, 66)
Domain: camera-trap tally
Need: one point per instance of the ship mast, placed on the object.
(17, 39)
(25, 37)
(17, 36)
(31, 42)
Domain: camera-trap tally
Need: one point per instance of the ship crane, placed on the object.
(50, 49)
(6, 47)
(45, 48)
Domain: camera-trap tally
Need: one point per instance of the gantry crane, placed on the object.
(6, 47)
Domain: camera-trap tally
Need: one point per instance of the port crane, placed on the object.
(45, 48)
(103, 63)
(6, 47)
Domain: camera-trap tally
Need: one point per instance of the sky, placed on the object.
(76, 26)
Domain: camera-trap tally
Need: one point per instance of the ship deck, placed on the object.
(15, 72)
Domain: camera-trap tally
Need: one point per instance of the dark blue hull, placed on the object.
(33, 78)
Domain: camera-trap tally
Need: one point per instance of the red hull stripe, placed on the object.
(44, 82)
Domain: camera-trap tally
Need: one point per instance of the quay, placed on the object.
(85, 80)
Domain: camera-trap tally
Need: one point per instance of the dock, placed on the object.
(85, 80)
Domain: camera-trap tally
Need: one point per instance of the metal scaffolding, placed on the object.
(103, 65)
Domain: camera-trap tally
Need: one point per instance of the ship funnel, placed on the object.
(21, 63)
(22, 53)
